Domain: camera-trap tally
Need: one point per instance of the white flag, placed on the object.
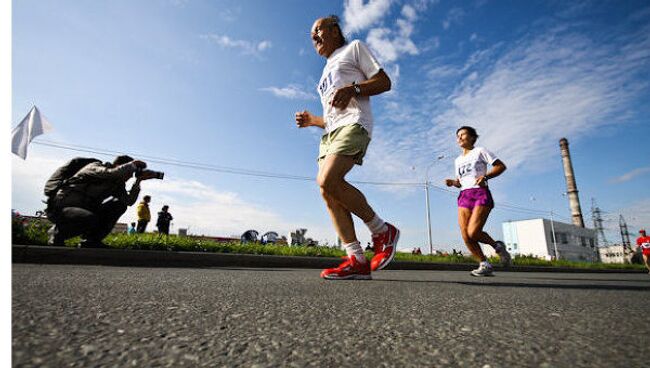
(32, 125)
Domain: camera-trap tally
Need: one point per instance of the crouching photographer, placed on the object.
(86, 197)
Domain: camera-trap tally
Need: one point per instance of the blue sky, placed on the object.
(218, 82)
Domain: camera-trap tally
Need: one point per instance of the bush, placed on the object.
(29, 232)
(35, 233)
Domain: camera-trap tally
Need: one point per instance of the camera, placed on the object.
(155, 174)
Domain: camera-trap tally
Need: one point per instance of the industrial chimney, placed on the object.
(571, 187)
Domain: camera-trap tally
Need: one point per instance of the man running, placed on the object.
(351, 75)
(643, 242)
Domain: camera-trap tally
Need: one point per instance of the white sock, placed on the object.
(376, 225)
(354, 249)
(486, 264)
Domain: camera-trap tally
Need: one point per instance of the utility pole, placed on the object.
(598, 223)
(625, 235)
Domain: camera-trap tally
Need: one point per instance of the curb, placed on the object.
(155, 258)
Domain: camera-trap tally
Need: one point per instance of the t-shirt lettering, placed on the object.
(472, 166)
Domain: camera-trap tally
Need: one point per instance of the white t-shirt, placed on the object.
(347, 64)
(472, 166)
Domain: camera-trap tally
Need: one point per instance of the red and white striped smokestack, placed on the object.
(571, 187)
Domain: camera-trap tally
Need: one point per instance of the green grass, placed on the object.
(35, 233)
(187, 244)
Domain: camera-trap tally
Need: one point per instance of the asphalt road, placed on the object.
(91, 316)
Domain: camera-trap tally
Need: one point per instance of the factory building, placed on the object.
(546, 239)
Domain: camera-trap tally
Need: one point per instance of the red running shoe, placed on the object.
(350, 269)
(385, 246)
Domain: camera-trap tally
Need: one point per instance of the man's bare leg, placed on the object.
(341, 218)
(331, 179)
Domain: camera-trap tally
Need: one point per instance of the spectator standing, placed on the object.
(131, 230)
(144, 215)
(164, 218)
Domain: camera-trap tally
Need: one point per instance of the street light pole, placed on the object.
(426, 193)
(426, 197)
(557, 255)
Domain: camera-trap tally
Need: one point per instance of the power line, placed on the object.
(206, 167)
(503, 206)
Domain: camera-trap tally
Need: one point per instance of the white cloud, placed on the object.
(292, 92)
(521, 100)
(631, 175)
(246, 47)
(205, 209)
(454, 16)
(358, 16)
(557, 85)
(409, 12)
(28, 178)
(264, 45)
(387, 48)
(390, 44)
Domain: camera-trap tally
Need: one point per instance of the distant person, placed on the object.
(643, 242)
(475, 200)
(350, 76)
(89, 203)
(164, 219)
(144, 215)
(131, 230)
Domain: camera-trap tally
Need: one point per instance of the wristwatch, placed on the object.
(357, 88)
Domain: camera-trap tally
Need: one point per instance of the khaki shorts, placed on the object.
(348, 140)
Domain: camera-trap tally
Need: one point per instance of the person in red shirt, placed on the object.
(643, 242)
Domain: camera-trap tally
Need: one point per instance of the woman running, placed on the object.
(475, 200)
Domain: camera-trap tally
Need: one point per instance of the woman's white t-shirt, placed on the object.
(472, 166)
(349, 63)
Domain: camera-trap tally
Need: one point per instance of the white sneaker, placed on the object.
(483, 270)
(506, 259)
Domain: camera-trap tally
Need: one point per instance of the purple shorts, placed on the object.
(470, 198)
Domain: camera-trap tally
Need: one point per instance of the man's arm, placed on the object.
(306, 119)
(378, 83)
(99, 171)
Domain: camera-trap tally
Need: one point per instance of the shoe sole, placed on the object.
(349, 277)
(385, 263)
(481, 275)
